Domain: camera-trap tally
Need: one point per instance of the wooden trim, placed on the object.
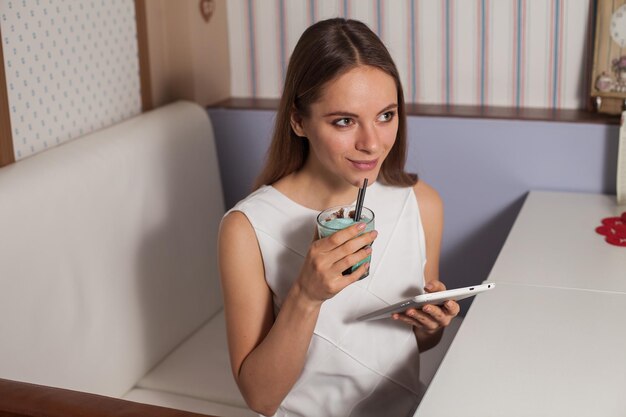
(144, 56)
(7, 155)
(20, 399)
(477, 112)
(512, 113)
(247, 104)
(589, 57)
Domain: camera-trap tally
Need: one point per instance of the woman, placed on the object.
(294, 345)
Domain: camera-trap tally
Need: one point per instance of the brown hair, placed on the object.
(326, 50)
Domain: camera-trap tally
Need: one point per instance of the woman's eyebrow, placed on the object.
(340, 113)
(350, 114)
(389, 107)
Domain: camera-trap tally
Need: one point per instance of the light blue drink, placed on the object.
(337, 218)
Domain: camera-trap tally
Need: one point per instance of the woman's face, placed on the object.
(352, 127)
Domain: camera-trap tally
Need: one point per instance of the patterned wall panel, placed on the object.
(514, 53)
(71, 68)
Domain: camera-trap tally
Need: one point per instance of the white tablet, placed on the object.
(435, 298)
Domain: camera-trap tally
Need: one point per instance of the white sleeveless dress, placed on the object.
(352, 368)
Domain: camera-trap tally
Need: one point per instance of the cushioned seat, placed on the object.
(196, 376)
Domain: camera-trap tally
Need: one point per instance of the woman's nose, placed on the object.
(367, 140)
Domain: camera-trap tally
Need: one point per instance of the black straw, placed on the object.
(359, 201)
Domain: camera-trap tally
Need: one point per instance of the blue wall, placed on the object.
(482, 168)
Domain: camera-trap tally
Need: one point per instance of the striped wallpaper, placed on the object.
(514, 53)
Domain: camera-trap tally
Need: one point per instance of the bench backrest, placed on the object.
(108, 251)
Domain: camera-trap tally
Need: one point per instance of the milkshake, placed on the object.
(337, 218)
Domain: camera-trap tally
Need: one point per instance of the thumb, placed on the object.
(434, 286)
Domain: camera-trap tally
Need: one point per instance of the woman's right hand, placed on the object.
(321, 274)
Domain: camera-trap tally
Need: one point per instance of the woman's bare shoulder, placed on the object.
(237, 272)
(428, 198)
(236, 223)
(236, 234)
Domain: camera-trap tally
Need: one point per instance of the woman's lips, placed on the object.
(364, 165)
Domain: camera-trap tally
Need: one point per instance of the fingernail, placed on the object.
(361, 226)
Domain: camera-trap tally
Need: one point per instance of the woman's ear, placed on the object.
(297, 124)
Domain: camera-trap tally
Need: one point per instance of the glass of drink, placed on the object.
(337, 218)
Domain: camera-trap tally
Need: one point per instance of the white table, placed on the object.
(550, 340)
(553, 243)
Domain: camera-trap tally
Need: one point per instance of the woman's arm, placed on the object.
(267, 353)
(431, 212)
(429, 322)
(266, 360)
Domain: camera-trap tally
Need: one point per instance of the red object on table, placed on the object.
(614, 228)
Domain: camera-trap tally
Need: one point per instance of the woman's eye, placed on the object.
(343, 122)
(387, 116)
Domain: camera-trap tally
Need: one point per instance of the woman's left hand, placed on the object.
(430, 318)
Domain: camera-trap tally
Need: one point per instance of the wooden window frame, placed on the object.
(7, 155)
(141, 20)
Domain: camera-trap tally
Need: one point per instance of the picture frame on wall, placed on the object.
(608, 89)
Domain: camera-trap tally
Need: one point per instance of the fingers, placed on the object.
(430, 317)
(441, 315)
(348, 234)
(356, 274)
(329, 257)
(343, 281)
(421, 319)
(452, 307)
(350, 252)
(434, 286)
(345, 247)
(352, 259)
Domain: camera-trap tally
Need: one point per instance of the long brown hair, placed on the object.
(326, 50)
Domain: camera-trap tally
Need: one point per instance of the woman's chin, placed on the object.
(357, 180)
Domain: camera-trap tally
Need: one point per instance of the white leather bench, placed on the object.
(108, 271)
